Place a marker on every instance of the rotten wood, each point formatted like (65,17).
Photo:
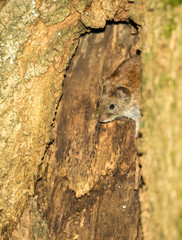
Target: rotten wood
(90,174)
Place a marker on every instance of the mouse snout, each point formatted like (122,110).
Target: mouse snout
(102,118)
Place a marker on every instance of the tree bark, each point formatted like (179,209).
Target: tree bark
(38,39)
(162,145)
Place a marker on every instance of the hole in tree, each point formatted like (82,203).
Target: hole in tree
(87,189)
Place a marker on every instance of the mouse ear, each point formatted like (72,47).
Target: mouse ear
(123,92)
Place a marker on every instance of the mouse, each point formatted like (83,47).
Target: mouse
(120,93)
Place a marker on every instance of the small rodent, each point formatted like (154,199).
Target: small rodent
(120,94)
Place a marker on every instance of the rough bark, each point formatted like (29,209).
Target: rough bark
(38,38)
(162,122)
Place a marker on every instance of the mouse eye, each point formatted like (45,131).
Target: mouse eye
(111,106)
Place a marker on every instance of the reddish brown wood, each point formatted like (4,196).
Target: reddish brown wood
(91,179)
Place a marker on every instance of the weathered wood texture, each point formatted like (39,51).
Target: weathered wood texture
(38,38)
(88,190)
(162,145)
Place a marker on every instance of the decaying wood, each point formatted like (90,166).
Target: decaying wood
(91,166)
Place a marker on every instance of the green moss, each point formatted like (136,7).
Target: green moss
(170,26)
(174,104)
(164,81)
(172,3)
(179,225)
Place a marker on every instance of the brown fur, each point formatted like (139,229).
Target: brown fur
(123,91)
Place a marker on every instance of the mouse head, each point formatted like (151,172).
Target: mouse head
(113,103)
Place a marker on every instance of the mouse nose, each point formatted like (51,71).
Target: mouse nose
(101,118)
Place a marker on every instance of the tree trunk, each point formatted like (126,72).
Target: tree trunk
(82,175)
(162,123)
